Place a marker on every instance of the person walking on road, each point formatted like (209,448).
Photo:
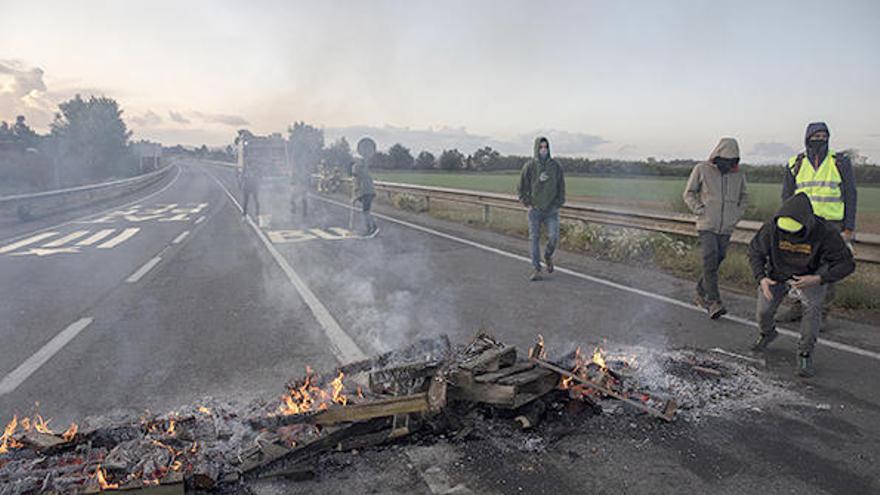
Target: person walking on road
(250,187)
(542,190)
(800,252)
(716,193)
(362,184)
(829,181)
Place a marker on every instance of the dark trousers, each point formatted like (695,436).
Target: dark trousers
(248,191)
(812,299)
(714,249)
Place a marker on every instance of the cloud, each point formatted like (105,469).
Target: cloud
(23,92)
(148,119)
(178,117)
(770,150)
(219,118)
(442,138)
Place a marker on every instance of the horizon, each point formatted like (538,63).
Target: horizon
(627,81)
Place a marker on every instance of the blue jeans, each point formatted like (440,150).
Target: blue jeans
(550,219)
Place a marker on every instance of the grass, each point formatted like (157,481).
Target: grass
(678,255)
(645,192)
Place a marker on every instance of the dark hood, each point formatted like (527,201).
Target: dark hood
(816,154)
(813,128)
(799,208)
(537,143)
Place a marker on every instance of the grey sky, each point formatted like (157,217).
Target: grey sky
(624,78)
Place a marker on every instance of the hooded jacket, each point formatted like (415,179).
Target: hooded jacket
(541,182)
(817,249)
(362,183)
(718,198)
(844,167)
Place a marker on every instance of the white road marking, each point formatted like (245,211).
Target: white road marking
(289,236)
(64,240)
(344,348)
(179,217)
(323,234)
(26,242)
(134,277)
(97,236)
(11,381)
(47,251)
(83,218)
(659,297)
(181,237)
(342,232)
(200,219)
(119,239)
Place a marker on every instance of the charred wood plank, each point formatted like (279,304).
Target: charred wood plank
(490,360)
(503,372)
(669,408)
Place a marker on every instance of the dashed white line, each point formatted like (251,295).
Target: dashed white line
(134,277)
(181,237)
(119,239)
(64,240)
(11,381)
(200,219)
(344,348)
(608,283)
(26,242)
(97,236)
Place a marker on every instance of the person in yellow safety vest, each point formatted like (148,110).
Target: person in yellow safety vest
(827,178)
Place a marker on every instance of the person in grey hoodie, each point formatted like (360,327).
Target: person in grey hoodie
(542,190)
(362,184)
(716,193)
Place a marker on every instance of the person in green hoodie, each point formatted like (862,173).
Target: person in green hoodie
(542,190)
(802,253)
(716,193)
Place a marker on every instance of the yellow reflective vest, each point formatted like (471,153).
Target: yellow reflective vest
(822,185)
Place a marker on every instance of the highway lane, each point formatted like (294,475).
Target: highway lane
(211,316)
(409,283)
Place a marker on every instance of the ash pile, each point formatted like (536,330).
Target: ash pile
(430,388)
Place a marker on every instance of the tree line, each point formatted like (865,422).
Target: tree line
(87,142)
(308,149)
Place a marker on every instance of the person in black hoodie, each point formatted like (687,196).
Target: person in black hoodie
(798,252)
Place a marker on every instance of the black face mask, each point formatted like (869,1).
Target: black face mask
(725,164)
(818,148)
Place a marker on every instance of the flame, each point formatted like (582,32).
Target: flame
(6,441)
(170,430)
(338,387)
(599,358)
(579,369)
(309,397)
(176,465)
(539,350)
(204,410)
(102,479)
(70,433)
(194,448)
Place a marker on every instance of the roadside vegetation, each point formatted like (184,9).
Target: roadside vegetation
(677,255)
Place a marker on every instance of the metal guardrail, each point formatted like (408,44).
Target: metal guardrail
(867,246)
(33,205)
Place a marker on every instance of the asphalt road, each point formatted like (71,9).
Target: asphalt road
(229,312)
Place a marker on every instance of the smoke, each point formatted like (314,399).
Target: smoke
(147,119)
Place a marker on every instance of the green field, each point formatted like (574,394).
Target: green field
(647,192)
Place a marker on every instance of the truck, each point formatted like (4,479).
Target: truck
(267,154)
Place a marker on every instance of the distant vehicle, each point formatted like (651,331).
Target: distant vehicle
(267,154)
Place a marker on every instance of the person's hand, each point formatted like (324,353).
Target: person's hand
(766,283)
(848,235)
(804,281)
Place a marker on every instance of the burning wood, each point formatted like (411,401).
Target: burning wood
(361,404)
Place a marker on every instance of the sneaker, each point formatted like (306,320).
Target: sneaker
(805,366)
(716,310)
(536,275)
(763,341)
(700,301)
(548,260)
(792,314)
